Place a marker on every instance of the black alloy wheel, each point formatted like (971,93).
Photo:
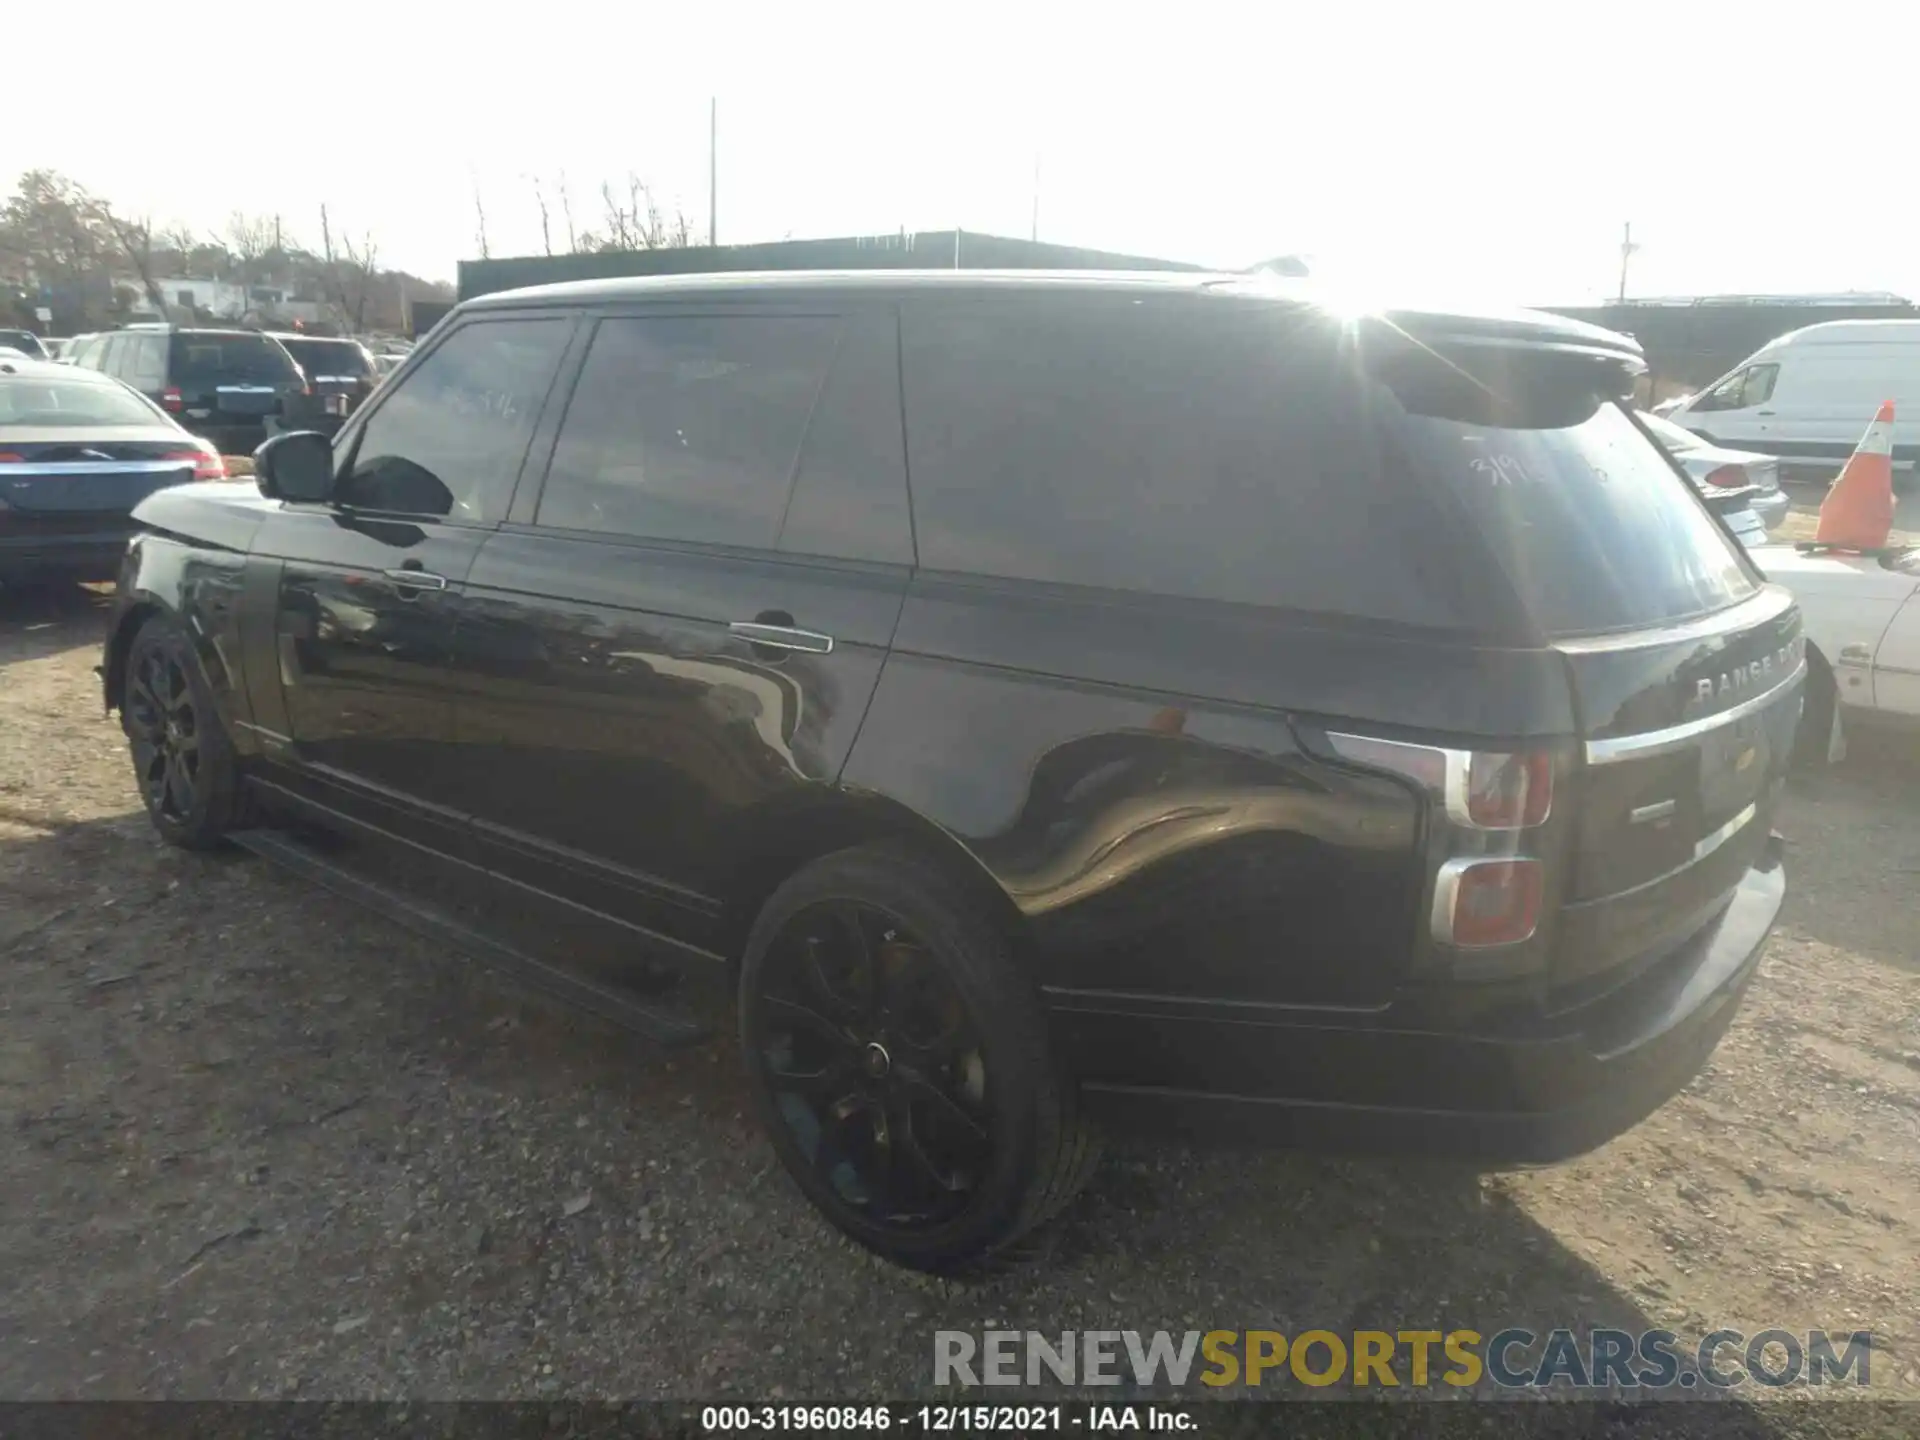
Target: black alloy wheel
(876,1068)
(183,762)
(163,724)
(901,1063)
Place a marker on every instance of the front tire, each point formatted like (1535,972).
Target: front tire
(900,1064)
(183,761)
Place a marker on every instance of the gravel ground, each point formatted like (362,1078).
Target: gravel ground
(265,1144)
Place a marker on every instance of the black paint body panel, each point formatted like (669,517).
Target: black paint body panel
(1212,904)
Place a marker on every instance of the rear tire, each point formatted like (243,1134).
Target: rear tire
(183,760)
(900,1063)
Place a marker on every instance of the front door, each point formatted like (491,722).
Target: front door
(683,638)
(370,585)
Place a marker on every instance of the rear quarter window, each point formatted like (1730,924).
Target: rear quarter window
(1193,448)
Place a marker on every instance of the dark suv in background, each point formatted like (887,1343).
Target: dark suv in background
(223,384)
(340,375)
(1036,697)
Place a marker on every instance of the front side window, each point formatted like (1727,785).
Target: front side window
(450,439)
(1748,386)
(688,427)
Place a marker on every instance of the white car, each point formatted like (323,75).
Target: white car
(1862,619)
(1714,468)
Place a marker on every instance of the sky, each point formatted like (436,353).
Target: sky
(1489,150)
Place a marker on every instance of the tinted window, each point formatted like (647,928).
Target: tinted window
(1586,518)
(1196,448)
(25,341)
(687,428)
(450,438)
(329,358)
(850,492)
(208,358)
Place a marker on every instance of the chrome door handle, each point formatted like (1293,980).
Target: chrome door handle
(416,579)
(782,637)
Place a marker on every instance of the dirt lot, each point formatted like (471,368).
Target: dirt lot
(264,1144)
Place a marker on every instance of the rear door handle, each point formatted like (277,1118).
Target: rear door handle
(782,637)
(416,579)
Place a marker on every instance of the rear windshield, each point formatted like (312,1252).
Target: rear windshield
(25,341)
(59,404)
(1589,521)
(329,357)
(229,360)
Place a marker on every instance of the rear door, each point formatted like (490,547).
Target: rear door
(368,588)
(683,631)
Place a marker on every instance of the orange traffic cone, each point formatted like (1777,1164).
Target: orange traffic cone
(1858,511)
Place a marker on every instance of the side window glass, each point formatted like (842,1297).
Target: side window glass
(145,366)
(449,441)
(688,427)
(1748,386)
(111,350)
(1161,451)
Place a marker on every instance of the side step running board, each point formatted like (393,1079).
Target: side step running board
(659,1026)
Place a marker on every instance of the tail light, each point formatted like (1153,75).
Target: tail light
(1505,792)
(170,399)
(207,464)
(1479,900)
(1727,477)
(1482,789)
(7,457)
(1482,902)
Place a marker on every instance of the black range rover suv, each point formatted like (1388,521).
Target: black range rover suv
(1038,698)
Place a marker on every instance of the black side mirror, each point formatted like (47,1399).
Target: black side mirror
(296,465)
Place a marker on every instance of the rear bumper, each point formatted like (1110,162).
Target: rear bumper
(1771,508)
(1535,1092)
(93,555)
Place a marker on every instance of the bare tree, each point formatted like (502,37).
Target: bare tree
(250,239)
(637,222)
(135,239)
(349,273)
(566,209)
(540,199)
(480,211)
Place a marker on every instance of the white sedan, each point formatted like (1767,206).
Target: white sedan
(1862,618)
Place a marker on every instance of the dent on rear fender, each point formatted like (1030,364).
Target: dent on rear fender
(1151,847)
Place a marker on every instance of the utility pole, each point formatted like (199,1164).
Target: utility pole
(713,171)
(1627,247)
